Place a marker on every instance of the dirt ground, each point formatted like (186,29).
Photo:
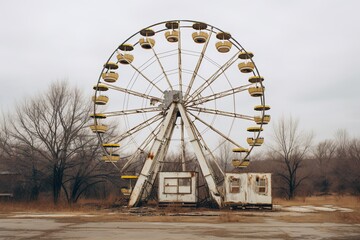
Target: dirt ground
(304,218)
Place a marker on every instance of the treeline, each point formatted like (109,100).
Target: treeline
(47,148)
(301,168)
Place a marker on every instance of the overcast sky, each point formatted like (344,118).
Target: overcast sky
(308,50)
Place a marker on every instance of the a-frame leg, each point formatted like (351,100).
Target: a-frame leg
(157,152)
(204,165)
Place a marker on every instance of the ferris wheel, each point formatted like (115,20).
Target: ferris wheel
(179,87)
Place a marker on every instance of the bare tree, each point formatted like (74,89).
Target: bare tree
(52,129)
(347,165)
(324,153)
(225,156)
(290,146)
(84,170)
(342,140)
(354,152)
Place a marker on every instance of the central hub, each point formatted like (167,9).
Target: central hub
(172,96)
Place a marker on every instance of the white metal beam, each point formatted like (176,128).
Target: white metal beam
(205,168)
(151,163)
(159,158)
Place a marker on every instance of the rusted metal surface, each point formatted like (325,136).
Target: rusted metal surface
(248,189)
(178,187)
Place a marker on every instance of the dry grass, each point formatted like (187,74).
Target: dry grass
(108,211)
(352,202)
(322,217)
(46,205)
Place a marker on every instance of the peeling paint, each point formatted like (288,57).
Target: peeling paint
(255,189)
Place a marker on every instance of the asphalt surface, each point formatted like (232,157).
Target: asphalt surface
(47,228)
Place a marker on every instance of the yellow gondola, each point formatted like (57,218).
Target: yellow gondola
(199,36)
(127,47)
(98,115)
(129,177)
(100,100)
(127,190)
(99,128)
(255,142)
(110,77)
(172,25)
(256,91)
(224,45)
(147,43)
(245,55)
(246,67)
(240,150)
(111,65)
(261,107)
(260,120)
(101,87)
(244,163)
(147,32)
(111,145)
(125,58)
(256,79)
(114,157)
(235,162)
(254,129)
(172,36)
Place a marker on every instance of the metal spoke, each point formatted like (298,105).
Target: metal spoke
(139,127)
(131,111)
(146,78)
(218,95)
(134,93)
(142,146)
(213,77)
(220,112)
(202,54)
(215,130)
(179,61)
(210,152)
(183,166)
(162,68)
